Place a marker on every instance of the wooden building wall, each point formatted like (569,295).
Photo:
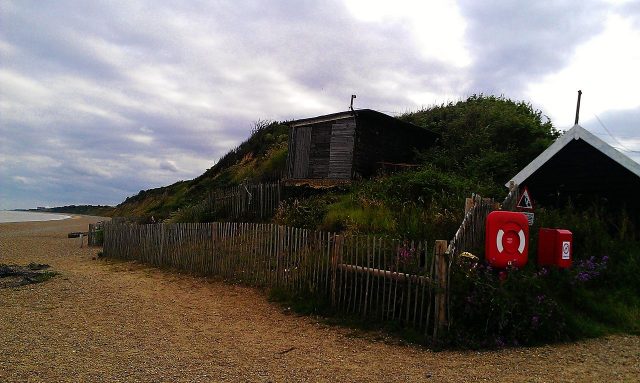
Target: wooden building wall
(341,150)
(322,150)
(319,151)
(348,147)
(582,175)
(386,140)
(302,147)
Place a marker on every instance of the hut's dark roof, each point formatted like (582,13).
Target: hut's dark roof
(368,114)
(323,118)
(578,162)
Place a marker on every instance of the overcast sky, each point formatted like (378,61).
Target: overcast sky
(100,99)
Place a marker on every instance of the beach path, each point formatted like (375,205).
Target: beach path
(111,321)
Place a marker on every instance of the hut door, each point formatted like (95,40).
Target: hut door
(341,151)
(303,146)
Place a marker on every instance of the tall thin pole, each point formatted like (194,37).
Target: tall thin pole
(578,107)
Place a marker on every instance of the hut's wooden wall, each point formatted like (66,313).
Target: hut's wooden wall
(319,155)
(380,140)
(302,139)
(341,150)
(343,147)
(321,150)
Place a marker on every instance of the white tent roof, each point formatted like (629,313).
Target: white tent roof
(575,133)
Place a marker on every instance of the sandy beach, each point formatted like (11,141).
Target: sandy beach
(109,321)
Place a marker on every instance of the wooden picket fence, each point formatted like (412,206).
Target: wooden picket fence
(471,232)
(374,277)
(511,200)
(95,235)
(470,236)
(245,201)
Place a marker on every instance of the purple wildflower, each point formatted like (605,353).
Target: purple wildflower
(405,254)
(590,268)
(583,276)
(535,321)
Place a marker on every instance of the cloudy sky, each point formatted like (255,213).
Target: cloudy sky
(100,99)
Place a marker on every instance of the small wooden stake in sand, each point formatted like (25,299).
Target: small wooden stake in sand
(81,240)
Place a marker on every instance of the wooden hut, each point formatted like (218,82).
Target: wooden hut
(581,168)
(351,145)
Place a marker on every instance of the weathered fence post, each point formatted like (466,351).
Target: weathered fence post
(336,256)
(442,265)
(91,235)
(468,205)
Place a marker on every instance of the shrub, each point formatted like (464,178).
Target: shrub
(596,296)
(305,213)
(494,308)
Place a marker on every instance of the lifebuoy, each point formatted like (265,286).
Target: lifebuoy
(500,237)
(507,238)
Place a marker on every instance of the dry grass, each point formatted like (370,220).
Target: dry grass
(101,320)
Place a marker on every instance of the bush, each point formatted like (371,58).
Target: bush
(418,204)
(497,308)
(306,213)
(485,138)
(598,295)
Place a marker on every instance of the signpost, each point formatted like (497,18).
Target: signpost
(525,205)
(524,202)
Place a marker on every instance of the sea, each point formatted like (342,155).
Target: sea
(29,216)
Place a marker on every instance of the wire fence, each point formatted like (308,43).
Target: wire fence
(245,202)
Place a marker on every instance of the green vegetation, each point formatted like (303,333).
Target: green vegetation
(598,295)
(15,275)
(491,308)
(320,307)
(42,277)
(305,304)
(96,210)
(485,140)
(603,293)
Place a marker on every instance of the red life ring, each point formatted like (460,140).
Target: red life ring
(507,239)
(509,235)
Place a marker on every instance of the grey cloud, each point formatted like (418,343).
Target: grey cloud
(515,42)
(622,124)
(134,95)
(168,165)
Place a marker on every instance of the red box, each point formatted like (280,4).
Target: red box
(555,247)
(507,239)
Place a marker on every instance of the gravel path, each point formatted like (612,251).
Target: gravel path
(109,321)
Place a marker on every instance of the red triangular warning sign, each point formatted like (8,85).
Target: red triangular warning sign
(525,202)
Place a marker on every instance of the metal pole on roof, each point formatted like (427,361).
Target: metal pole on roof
(578,107)
(351,106)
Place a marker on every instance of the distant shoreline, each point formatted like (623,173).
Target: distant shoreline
(17,216)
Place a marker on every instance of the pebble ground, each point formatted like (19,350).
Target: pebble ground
(109,321)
